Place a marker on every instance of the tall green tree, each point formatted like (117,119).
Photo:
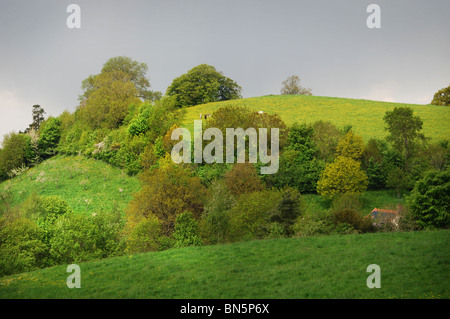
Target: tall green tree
(108,102)
(430,200)
(203,84)
(404,130)
(136,71)
(16,151)
(49,137)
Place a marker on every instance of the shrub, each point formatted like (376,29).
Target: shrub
(347,201)
(243,178)
(290,206)
(353,218)
(252,215)
(45,210)
(145,236)
(80,238)
(166,192)
(21,246)
(186,231)
(313,224)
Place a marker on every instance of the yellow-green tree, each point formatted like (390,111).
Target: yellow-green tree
(351,145)
(344,175)
(108,102)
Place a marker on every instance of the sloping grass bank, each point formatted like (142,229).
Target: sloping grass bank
(413,265)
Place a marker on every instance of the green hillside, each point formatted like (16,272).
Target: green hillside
(84,183)
(412,265)
(366,117)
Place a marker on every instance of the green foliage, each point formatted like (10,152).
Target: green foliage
(79,237)
(398,179)
(350,145)
(203,84)
(186,231)
(107,104)
(237,116)
(167,192)
(140,124)
(145,236)
(243,178)
(430,198)
(45,209)
(296,170)
(21,246)
(404,129)
(49,137)
(326,138)
(212,172)
(254,213)
(129,154)
(216,216)
(344,175)
(442,97)
(290,206)
(354,219)
(251,217)
(313,225)
(347,201)
(16,151)
(136,71)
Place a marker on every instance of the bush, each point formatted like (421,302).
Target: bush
(252,215)
(80,238)
(313,224)
(243,178)
(21,246)
(353,218)
(290,206)
(45,210)
(215,222)
(145,236)
(186,231)
(347,201)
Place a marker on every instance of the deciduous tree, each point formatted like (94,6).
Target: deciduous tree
(344,175)
(203,84)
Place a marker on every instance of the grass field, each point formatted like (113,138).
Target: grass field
(366,117)
(86,184)
(412,264)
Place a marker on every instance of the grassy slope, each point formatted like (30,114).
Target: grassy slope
(413,265)
(101,190)
(365,116)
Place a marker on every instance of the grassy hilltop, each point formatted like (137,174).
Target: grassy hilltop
(366,117)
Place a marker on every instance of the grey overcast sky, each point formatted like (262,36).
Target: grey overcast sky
(257,43)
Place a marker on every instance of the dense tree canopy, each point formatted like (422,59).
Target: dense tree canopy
(442,97)
(342,176)
(203,84)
